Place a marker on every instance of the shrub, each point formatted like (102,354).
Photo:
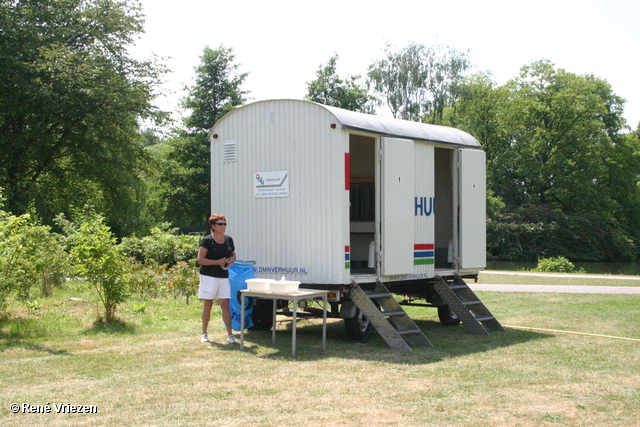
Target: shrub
(184,279)
(97,259)
(147,280)
(555,264)
(164,247)
(30,255)
(151,280)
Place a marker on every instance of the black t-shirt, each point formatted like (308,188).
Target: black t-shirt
(216,251)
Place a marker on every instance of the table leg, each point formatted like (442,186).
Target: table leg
(242,321)
(324,322)
(273,327)
(293,332)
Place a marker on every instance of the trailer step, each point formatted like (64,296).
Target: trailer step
(378,295)
(462,301)
(394,313)
(408,331)
(388,318)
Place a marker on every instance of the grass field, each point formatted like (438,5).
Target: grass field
(151,369)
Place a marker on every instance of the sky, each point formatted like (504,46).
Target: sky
(282,43)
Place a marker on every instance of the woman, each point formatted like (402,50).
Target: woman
(215,255)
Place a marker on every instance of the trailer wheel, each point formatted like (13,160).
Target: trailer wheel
(358,327)
(446,316)
(262,315)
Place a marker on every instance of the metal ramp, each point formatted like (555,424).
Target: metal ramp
(467,306)
(388,317)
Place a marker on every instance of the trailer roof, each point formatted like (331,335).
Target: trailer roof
(387,126)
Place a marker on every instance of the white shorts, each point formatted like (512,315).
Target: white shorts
(214,288)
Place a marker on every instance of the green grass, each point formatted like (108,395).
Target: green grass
(151,369)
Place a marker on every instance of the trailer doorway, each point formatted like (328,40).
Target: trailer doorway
(444,211)
(362,204)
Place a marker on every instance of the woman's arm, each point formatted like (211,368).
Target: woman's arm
(203,260)
(232,258)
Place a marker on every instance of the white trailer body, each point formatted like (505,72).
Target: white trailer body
(327,196)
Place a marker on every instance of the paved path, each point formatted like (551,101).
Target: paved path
(560,288)
(567,275)
(553,288)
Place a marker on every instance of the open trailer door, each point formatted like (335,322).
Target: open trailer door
(473,212)
(397,206)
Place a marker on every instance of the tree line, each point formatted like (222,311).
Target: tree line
(563,167)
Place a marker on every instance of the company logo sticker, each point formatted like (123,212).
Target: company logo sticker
(423,254)
(271,184)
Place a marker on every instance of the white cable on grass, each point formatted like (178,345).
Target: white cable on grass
(571,332)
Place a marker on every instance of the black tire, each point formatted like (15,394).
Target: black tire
(446,316)
(262,315)
(358,328)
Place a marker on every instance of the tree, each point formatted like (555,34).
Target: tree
(181,190)
(623,182)
(560,162)
(418,82)
(183,187)
(562,129)
(216,91)
(329,89)
(70,101)
(478,111)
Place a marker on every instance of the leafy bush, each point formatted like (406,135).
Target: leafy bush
(151,280)
(30,254)
(147,280)
(555,264)
(184,279)
(163,263)
(164,247)
(97,259)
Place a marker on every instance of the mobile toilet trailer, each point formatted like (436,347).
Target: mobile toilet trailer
(357,204)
